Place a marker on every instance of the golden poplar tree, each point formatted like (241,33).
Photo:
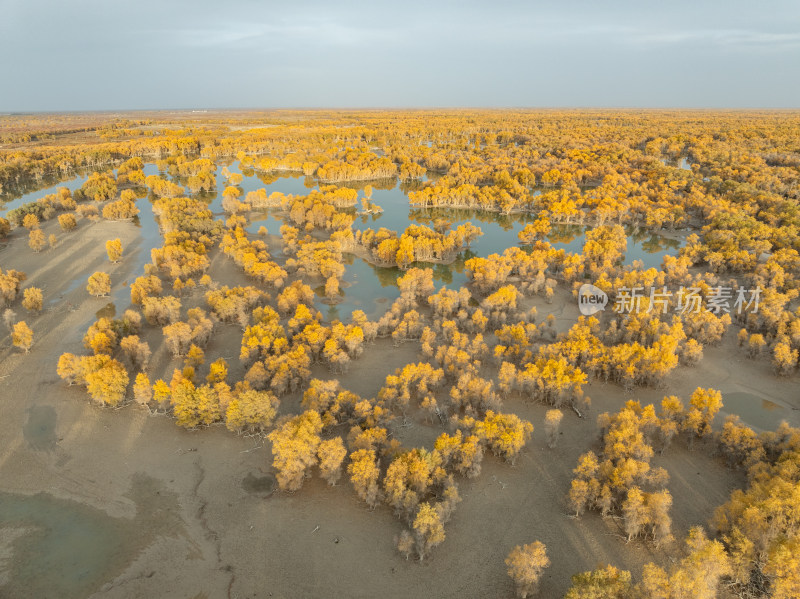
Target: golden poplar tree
(331,454)
(99,284)
(32,299)
(364,472)
(428,529)
(526,564)
(114,249)
(22,336)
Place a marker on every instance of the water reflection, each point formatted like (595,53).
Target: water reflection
(31,193)
(365,286)
(32,196)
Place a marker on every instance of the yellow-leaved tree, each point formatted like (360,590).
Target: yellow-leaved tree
(106,379)
(193,406)
(252,411)
(114,249)
(331,454)
(67,222)
(36,240)
(32,299)
(142,391)
(608,582)
(364,472)
(428,529)
(552,422)
(22,336)
(526,564)
(99,284)
(705,405)
(294,448)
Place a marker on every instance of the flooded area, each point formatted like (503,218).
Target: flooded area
(759,411)
(60,549)
(365,286)
(66,549)
(126,500)
(31,196)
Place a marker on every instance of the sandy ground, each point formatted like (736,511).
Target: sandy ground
(192,513)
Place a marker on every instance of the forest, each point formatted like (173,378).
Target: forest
(244,318)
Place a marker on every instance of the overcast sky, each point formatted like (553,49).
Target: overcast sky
(107,54)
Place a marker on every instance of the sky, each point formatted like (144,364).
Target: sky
(148,54)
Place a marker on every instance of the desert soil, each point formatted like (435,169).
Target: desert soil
(119,503)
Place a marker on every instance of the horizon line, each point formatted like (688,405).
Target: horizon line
(201,110)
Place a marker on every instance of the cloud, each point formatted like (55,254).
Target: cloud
(228,35)
(101,54)
(731,38)
(254,35)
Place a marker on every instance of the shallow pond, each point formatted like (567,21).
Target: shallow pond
(31,196)
(370,288)
(365,286)
(758,411)
(58,548)
(65,549)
